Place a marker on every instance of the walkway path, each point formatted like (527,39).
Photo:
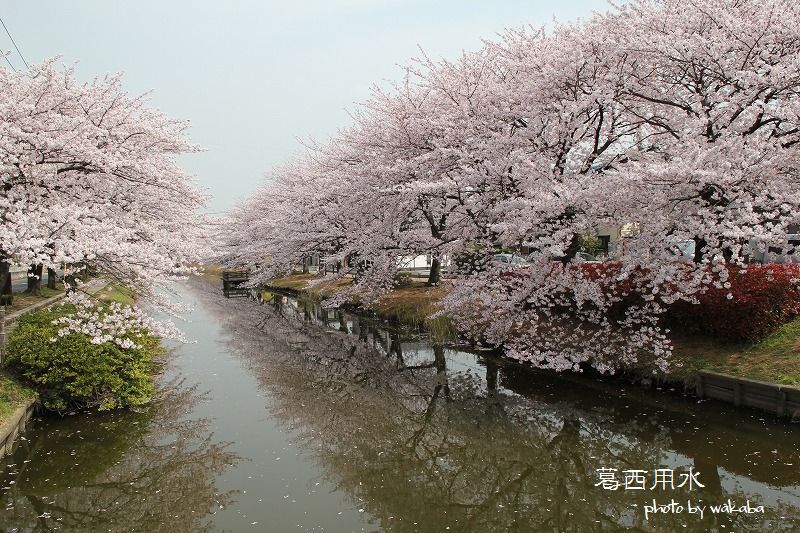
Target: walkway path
(92,287)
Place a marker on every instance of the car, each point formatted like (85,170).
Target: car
(586,257)
(681,250)
(580,257)
(509,259)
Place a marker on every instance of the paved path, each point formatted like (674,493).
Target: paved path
(92,287)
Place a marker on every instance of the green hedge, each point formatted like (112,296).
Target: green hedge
(73,373)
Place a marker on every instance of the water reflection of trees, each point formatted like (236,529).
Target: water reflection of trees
(422,445)
(149,471)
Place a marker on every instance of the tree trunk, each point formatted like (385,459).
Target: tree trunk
(492,371)
(305,264)
(699,243)
(436,272)
(51,278)
(572,250)
(396,348)
(6,293)
(727,253)
(34,280)
(69,284)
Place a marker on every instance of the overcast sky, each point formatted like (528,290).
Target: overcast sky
(254,77)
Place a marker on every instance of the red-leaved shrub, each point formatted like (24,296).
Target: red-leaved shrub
(760,299)
(763,297)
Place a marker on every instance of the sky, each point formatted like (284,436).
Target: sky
(257,78)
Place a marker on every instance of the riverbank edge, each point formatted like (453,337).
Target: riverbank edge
(780,400)
(15,425)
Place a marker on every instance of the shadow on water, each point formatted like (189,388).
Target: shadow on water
(127,471)
(426,437)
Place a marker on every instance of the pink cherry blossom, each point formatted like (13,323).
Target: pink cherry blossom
(676,120)
(89,179)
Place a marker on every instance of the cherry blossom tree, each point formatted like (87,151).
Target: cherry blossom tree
(89,180)
(676,120)
(387,188)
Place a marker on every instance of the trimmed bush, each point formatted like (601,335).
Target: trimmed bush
(760,299)
(73,373)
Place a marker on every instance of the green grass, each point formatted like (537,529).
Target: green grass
(116,292)
(775,359)
(12,395)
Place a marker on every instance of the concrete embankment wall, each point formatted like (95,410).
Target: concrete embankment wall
(18,272)
(782,400)
(14,426)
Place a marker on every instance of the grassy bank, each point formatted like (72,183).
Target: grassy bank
(23,300)
(13,395)
(774,359)
(211,272)
(413,305)
(116,292)
(300,283)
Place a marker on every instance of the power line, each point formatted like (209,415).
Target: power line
(9,63)
(14,43)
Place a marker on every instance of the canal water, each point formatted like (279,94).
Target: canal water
(282,416)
